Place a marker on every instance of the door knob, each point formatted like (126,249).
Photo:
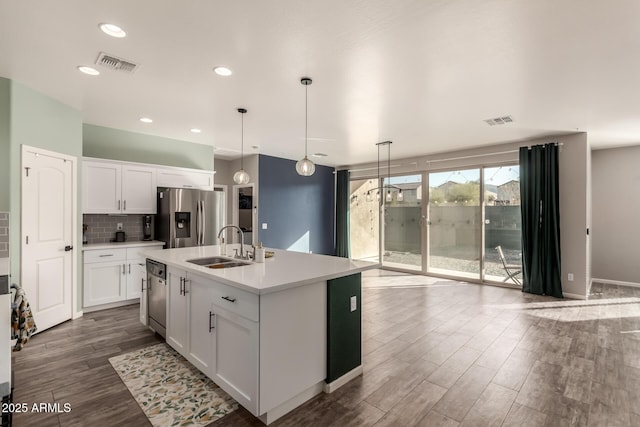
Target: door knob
(68,248)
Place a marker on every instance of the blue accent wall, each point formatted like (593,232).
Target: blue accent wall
(299,210)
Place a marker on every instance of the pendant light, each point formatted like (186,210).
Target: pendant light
(388,195)
(305,167)
(241,177)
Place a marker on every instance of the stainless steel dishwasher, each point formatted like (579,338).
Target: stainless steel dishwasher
(157,296)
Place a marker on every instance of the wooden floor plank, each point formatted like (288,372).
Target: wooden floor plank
(435,353)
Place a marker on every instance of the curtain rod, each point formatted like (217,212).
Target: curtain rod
(471,156)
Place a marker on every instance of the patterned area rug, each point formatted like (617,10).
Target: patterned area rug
(171,391)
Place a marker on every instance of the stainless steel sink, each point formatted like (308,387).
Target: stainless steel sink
(210,260)
(218,262)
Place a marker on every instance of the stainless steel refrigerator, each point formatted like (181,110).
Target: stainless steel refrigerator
(189,217)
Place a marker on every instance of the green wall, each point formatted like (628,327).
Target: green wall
(108,143)
(5,143)
(43,122)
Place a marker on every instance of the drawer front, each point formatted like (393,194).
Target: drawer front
(236,300)
(138,253)
(105,255)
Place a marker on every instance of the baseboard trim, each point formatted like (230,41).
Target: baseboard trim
(288,406)
(339,382)
(574,296)
(110,305)
(617,282)
(77,315)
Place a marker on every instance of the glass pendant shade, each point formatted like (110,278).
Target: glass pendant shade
(241,177)
(400,196)
(305,167)
(388,198)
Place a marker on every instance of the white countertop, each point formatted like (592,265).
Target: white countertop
(283,271)
(112,245)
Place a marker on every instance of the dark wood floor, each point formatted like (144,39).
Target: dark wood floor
(436,353)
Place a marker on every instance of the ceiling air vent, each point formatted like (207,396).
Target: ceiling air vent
(499,120)
(115,63)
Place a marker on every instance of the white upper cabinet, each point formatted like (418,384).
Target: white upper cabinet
(185,178)
(115,187)
(138,189)
(110,187)
(101,187)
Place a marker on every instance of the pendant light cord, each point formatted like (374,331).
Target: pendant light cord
(242,141)
(306,117)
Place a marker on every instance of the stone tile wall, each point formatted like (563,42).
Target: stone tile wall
(4,235)
(102,228)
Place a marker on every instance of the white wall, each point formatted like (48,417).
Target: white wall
(616,214)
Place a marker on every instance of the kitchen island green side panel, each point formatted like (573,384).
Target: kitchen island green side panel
(344,328)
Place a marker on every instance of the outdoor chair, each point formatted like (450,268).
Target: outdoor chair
(511,270)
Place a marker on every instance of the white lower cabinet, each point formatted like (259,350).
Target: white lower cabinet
(177,313)
(114,275)
(103,282)
(200,328)
(235,357)
(204,325)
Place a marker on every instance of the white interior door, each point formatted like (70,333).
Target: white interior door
(48,234)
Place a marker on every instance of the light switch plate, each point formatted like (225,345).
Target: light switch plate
(354,303)
(264,225)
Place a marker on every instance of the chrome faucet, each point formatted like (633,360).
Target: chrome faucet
(242,256)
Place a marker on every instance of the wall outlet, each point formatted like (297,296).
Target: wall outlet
(570,277)
(119,226)
(354,303)
(264,225)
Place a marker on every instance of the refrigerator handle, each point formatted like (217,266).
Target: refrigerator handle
(198,223)
(199,231)
(203,228)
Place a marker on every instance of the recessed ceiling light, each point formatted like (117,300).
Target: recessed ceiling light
(113,30)
(196,130)
(88,70)
(222,71)
(319,155)
(146,120)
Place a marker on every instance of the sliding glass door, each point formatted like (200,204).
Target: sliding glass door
(402,236)
(364,220)
(502,223)
(454,229)
(454,221)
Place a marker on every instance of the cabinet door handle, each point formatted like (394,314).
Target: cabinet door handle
(102,256)
(230,299)
(141,285)
(187,186)
(124,269)
(118,204)
(185,291)
(124,208)
(211,323)
(181,284)
(129,268)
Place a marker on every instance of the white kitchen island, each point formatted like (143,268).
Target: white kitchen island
(270,334)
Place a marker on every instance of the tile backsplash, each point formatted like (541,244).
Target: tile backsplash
(102,228)
(4,234)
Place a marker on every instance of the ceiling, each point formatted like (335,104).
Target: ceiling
(422,73)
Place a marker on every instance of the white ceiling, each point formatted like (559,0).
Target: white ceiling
(422,73)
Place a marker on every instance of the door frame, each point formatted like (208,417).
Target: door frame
(235,215)
(75,312)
